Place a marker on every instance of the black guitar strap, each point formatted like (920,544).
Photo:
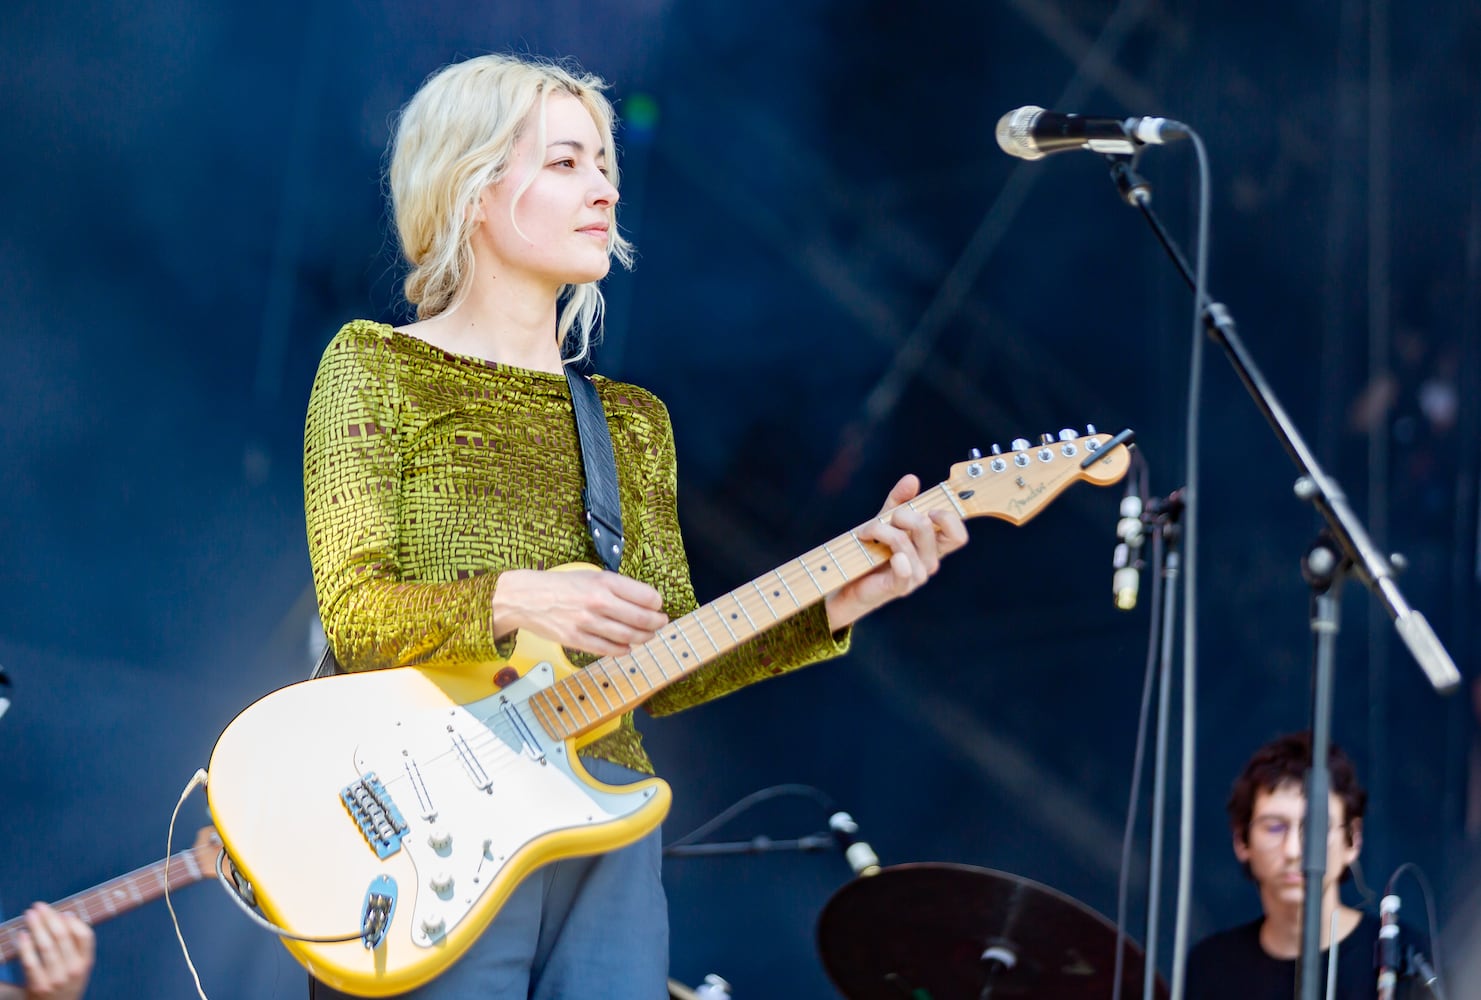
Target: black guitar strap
(603,503)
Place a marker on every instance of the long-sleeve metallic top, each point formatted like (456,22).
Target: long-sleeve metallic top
(427,474)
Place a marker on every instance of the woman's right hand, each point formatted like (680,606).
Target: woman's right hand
(592,610)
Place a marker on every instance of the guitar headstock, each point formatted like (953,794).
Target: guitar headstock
(1015,485)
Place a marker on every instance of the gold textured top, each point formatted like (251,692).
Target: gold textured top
(427,473)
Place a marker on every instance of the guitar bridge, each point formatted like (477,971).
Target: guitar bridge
(371,808)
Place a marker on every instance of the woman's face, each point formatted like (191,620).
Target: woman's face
(558,233)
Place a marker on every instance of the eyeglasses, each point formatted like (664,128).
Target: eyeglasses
(1271,830)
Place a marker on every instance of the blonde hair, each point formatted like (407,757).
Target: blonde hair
(455,137)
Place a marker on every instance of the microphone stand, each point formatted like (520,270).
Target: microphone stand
(1164,516)
(1344,546)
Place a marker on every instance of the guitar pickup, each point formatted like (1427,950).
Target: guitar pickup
(371,808)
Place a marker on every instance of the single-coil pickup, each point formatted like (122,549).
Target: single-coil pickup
(371,808)
(471,763)
(532,747)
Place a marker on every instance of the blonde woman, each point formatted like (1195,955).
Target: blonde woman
(443,483)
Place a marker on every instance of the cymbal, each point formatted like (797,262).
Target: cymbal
(958,932)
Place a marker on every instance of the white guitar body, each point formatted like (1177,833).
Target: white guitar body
(476,796)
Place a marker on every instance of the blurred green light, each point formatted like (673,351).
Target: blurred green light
(640,112)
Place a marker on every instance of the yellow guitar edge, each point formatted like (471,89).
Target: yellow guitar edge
(553,847)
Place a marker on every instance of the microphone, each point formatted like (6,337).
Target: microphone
(1031,133)
(1126,581)
(1421,969)
(861,857)
(1386,951)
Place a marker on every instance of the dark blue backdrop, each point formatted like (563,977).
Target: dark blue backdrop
(841,279)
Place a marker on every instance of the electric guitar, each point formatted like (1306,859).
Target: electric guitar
(122,894)
(389,814)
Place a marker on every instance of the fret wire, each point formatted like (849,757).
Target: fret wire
(788,589)
(708,638)
(587,686)
(638,695)
(602,683)
(679,628)
(843,573)
(591,684)
(573,690)
(553,703)
(643,682)
(545,713)
(764,601)
(677,658)
(654,657)
(859,542)
(725,621)
(815,583)
(735,596)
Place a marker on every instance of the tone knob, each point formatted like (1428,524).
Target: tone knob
(433,925)
(439,839)
(442,883)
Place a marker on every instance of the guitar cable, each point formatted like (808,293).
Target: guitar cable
(197,780)
(234,891)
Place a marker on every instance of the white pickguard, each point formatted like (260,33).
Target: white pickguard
(476,783)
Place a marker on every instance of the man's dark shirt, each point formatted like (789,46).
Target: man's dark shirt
(1231,965)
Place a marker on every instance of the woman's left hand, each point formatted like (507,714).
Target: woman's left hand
(916,540)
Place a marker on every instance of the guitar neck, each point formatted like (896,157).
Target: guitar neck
(113,897)
(614,685)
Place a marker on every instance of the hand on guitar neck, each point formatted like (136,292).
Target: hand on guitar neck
(54,944)
(56,955)
(916,539)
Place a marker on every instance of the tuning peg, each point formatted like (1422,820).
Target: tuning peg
(974,453)
(1019,444)
(997,449)
(1067,434)
(1046,438)
(1090,430)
